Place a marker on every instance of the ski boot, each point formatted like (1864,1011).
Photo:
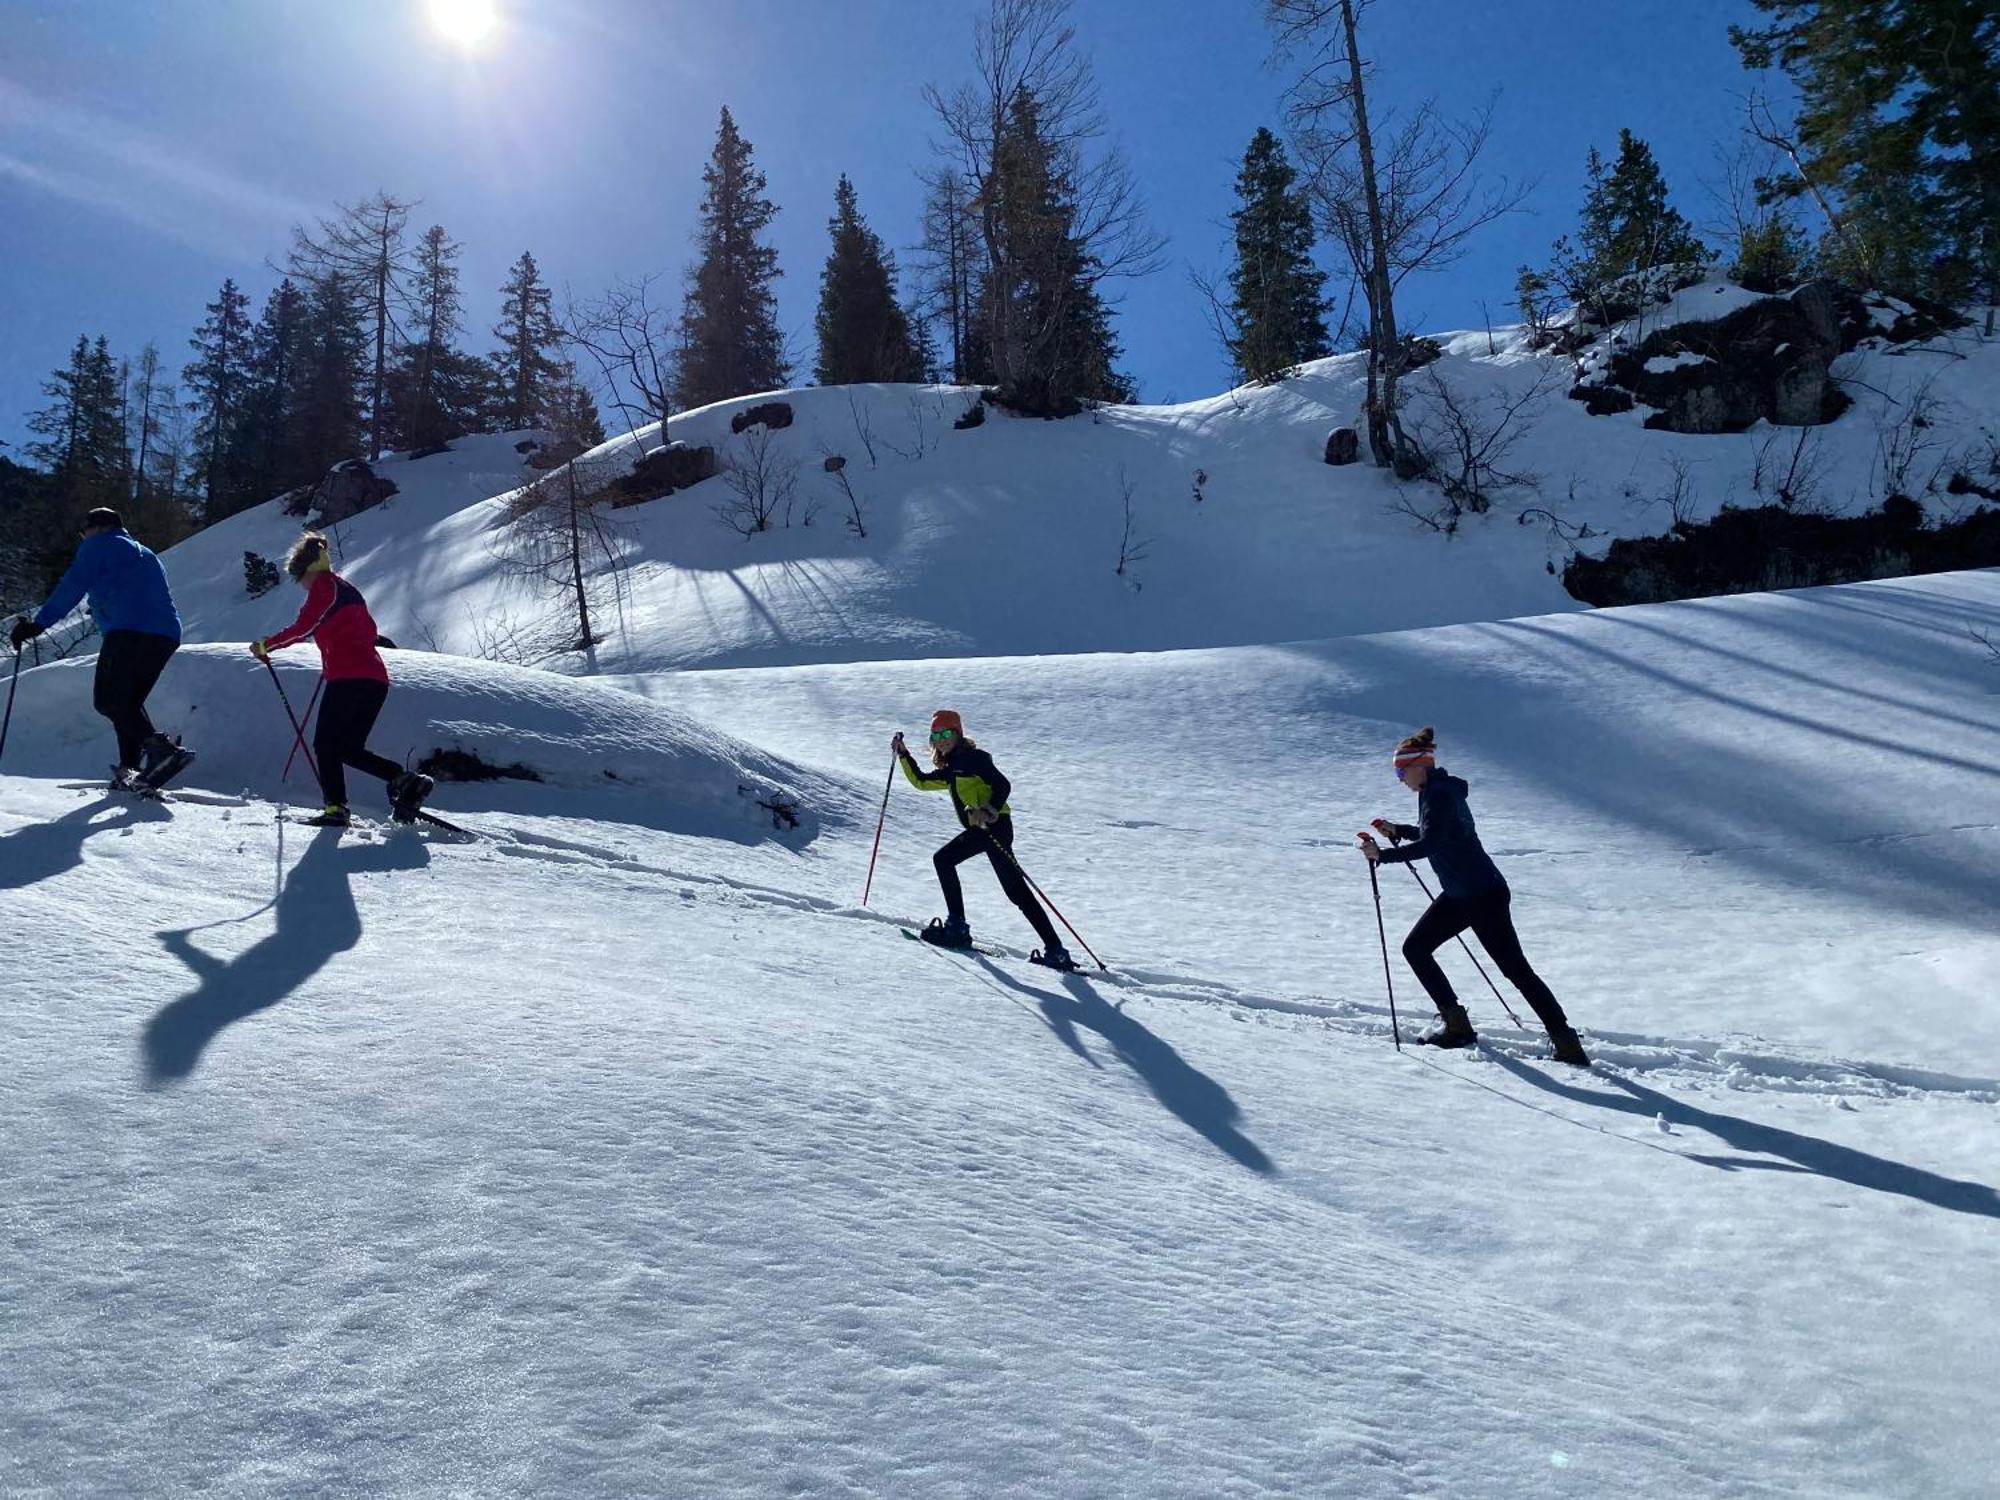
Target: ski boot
(947,932)
(127,779)
(1569,1048)
(162,760)
(406,795)
(1056,957)
(334,816)
(1456,1032)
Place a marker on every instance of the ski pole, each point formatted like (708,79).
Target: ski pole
(1045,899)
(884,818)
(12,683)
(1375,885)
(1424,886)
(298,734)
(311,704)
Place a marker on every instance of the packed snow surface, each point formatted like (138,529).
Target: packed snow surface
(621,1152)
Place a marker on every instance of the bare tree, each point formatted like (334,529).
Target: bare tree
(557,533)
(1467,437)
(632,340)
(364,247)
(1027,48)
(763,484)
(1133,548)
(1398,197)
(948,262)
(1900,444)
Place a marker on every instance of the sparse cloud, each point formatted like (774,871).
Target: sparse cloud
(119,168)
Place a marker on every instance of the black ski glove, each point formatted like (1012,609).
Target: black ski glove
(25,630)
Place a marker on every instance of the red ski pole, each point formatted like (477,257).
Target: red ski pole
(298,734)
(1044,895)
(299,743)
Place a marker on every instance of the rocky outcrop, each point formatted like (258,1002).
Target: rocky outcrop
(661,472)
(1343,446)
(348,489)
(772,414)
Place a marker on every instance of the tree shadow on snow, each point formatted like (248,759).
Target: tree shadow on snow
(316,920)
(1805,1153)
(41,851)
(1186,1092)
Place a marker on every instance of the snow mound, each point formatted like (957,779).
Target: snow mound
(594,750)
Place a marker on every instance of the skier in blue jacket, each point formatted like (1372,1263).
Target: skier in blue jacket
(1471,893)
(141,629)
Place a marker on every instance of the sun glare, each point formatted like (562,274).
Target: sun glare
(465,23)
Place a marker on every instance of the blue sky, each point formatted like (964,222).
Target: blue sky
(147,150)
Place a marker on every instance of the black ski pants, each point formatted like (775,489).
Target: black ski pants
(129,664)
(347,711)
(996,842)
(1490,916)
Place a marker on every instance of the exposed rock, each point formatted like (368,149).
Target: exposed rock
(661,472)
(834,463)
(771,414)
(1602,400)
(546,456)
(1343,446)
(349,488)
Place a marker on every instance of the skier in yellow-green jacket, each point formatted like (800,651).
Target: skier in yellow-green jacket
(979,796)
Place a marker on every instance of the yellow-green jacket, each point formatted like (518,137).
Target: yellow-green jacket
(969,775)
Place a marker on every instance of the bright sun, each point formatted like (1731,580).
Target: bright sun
(465,23)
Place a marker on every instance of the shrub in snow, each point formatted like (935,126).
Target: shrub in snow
(260,575)
(975,414)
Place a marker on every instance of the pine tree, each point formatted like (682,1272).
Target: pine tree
(219,382)
(82,445)
(418,417)
(1040,294)
(328,419)
(1630,237)
(730,341)
(270,461)
(364,246)
(525,361)
(1277,294)
(1898,132)
(864,334)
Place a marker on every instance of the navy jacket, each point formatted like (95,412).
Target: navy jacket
(1445,836)
(126,584)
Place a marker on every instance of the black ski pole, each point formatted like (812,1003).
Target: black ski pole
(1424,886)
(869,885)
(1045,899)
(12,683)
(297,733)
(1395,1026)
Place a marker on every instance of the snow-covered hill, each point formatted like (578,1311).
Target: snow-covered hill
(1005,539)
(623,1154)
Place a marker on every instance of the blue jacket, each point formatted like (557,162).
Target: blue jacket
(126,584)
(1445,836)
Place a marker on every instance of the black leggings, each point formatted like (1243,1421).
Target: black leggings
(129,663)
(1491,919)
(347,711)
(997,844)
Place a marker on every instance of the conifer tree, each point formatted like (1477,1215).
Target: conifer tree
(328,419)
(864,334)
(1898,133)
(730,341)
(525,362)
(218,381)
(1629,234)
(419,419)
(364,246)
(1277,294)
(271,461)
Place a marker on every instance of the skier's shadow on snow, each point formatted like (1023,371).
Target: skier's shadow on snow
(316,921)
(1805,1153)
(42,851)
(1186,1092)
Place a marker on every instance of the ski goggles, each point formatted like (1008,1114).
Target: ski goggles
(940,736)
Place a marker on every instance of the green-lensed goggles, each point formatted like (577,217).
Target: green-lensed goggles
(939,736)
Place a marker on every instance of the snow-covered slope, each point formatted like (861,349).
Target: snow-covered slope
(609,1157)
(1005,539)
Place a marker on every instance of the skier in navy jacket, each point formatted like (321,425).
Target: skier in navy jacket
(1471,893)
(141,629)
